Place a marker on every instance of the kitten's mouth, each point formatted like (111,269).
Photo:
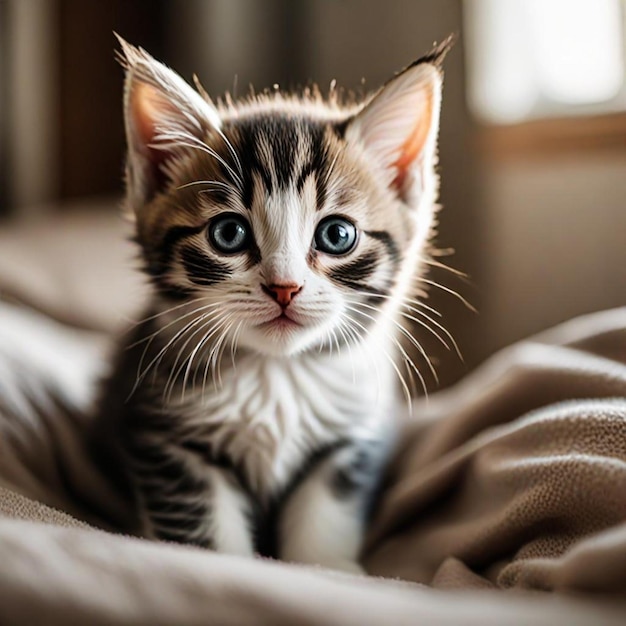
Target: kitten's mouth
(282,321)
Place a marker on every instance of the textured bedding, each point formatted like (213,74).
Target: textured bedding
(510,484)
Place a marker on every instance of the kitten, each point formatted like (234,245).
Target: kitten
(254,404)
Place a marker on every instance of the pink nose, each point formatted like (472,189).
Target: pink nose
(283,294)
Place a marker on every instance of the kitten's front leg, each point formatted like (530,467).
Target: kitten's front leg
(190,501)
(323,520)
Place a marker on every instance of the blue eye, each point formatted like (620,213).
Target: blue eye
(335,235)
(229,233)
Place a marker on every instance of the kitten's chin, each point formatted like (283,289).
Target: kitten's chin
(280,338)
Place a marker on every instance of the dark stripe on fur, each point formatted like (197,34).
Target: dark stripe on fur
(340,127)
(386,239)
(170,291)
(360,475)
(248,131)
(356,273)
(157,262)
(321,190)
(280,134)
(357,286)
(355,475)
(344,197)
(320,183)
(307,170)
(267,539)
(254,255)
(175,501)
(201,269)
(219,195)
(317,165)
(284,146)
(173,236)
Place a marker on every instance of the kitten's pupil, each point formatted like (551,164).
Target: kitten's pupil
(335,235)
(231,231)
(229,234)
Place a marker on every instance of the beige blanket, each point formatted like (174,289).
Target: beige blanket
(514,480)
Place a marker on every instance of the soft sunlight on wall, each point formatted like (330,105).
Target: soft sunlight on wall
(544,58)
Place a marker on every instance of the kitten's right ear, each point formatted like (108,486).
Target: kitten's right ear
(162,113)
(398,126)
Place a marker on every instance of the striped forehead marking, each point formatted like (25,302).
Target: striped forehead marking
(278,152)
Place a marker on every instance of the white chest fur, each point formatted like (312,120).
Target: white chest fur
(270,414)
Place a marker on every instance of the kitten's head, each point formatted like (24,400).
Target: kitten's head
(289,222)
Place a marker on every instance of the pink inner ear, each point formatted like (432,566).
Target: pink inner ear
(147,107)
(414,145)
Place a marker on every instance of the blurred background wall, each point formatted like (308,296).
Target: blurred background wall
(533,135)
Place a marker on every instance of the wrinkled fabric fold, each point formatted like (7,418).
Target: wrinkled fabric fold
(510,483)
(514,469)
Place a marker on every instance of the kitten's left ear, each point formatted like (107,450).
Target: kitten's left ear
(398,127)
(162,115)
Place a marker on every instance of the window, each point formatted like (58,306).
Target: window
(531,59)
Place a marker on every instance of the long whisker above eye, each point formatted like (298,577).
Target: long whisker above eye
(330,169)
(229,145)
(179,139)
(214,183)
(231,149)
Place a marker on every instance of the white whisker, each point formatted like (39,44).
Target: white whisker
(406,333)
(233,345)
(157,359)
(392,363)
(231,149)
(412,305)
(135,323)
(447,290)
(346,341)
(150,338)
(219,353)
(443,266)
(422,324)
(179,139)
(215,183)
(174,372)
(209,357)
(439,326)
(170,324)
(190,359)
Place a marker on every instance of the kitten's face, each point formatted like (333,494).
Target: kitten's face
(285,225)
